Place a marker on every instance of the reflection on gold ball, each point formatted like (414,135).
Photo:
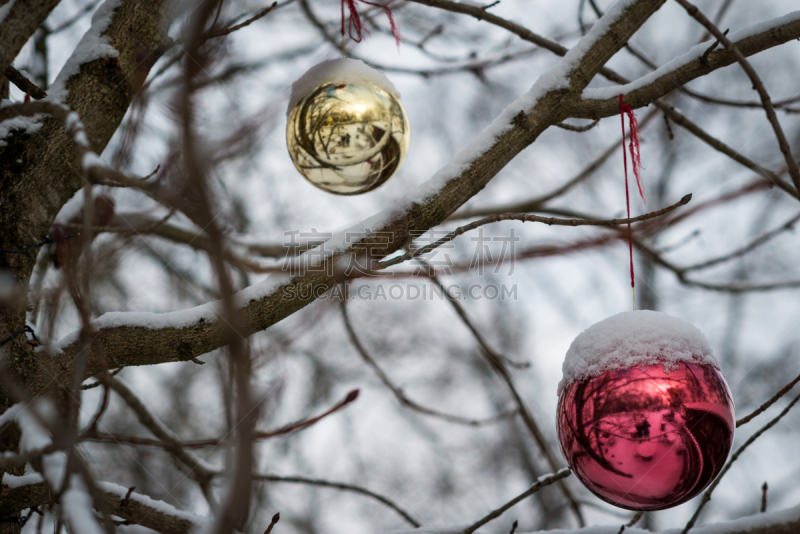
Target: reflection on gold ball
(348,137)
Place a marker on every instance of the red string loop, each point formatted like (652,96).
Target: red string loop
(636,160)
(355,29)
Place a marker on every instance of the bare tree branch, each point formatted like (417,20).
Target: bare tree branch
(752,245)
(197,470)
(542,482)
(497,365)
(136,509)
(734,457)
(578,129)
(341,486)
(533,204)
(18,26)
(24,84)
(533,218)
(761,409)
(786,150)
(604,102)
(172,444)
(398,393)
(681,120)
(136,344)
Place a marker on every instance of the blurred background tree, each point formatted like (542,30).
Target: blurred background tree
(193,198)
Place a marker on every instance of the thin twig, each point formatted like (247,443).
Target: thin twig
(555,221)
(93,385)
(169,443)
(24,84)
(11,461)
(655,255)
(755,243)
(681,120)
(92,427)
(758,411)
(496,364)
(22,330)
(734,457)
(197,470)
(75,18)
(717,18)
(219,11)
(784,104)
(273,522)
(496,356)
(579,129)
(711,48)
(533,204)
(755,186)
(679,272)
(307,422)
(678,244)
(481,14)
(47,241)
(542,482)
(342,486)
(398,393)
(231,29)
(635,519)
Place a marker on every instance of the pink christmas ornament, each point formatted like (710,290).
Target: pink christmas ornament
(645,419)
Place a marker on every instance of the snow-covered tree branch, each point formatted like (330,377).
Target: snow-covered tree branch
(151,222)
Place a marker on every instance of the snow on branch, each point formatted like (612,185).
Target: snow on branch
(147,512)
(93,167)
(18,493)
(98,83)
(32,420)
(780,522)
(758,85)
(142,339)
(93,45)
(78,506)
(698,61)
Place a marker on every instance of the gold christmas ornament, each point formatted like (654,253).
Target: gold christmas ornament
(347,132)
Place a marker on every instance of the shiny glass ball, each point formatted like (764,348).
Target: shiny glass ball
(346,137)
(644,438)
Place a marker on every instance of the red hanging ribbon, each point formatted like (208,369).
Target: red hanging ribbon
(636,159)
(354,27)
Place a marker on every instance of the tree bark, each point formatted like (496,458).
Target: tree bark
(40,171)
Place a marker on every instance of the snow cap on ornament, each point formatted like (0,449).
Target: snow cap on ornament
(635,338)
(645,419)
(347,132)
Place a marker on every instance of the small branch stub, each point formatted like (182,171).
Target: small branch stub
(127,499)
(275,519)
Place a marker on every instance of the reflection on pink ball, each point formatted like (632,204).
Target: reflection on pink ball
(646,439)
